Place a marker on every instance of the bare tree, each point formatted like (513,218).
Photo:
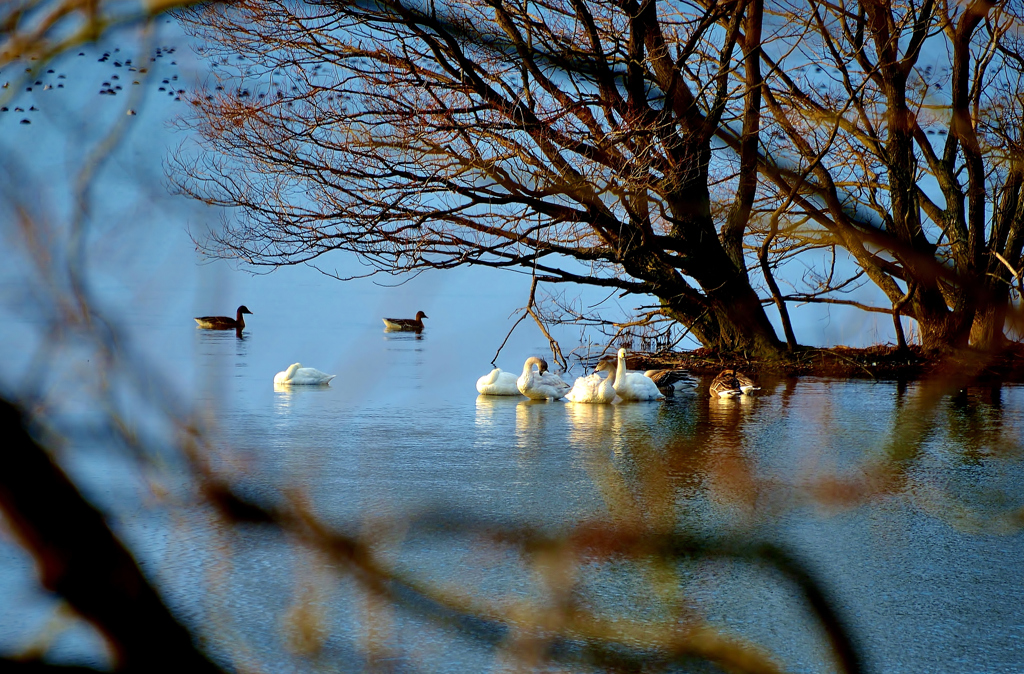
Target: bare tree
(904,125)
(578,140)
(571,139)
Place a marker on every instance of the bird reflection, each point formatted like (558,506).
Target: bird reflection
(400,336)
(532,421)
(726,415)
(632,423)
(287,391)
(589,424)
(283,398)
(215,338)
(489,409)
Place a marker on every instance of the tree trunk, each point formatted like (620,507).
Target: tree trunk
(987,330)
(728,325)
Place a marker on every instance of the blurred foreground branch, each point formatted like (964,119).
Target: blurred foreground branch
(79,558)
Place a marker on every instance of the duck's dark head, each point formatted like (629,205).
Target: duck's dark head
(420,316)
(244,310)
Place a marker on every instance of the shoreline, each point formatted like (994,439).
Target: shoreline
(873,362)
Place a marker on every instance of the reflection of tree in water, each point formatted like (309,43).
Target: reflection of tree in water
(969,470)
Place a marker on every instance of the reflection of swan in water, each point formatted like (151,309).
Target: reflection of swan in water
(634,385)
(491,410)
(542,385)
(532,420)
(296,375)
(590,426)
(633,423)
(593,388)
(498,383)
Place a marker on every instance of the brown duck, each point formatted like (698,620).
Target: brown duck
(224,322)
(405,324)
(730,383)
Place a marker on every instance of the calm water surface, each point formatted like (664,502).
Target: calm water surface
(925,568)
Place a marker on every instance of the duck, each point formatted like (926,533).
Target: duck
(498,383)
(543,385)
(671,382)
(296,375)
(634,385)
(593,388)
(726,385)
(746,384)
(224,322)
(405,324)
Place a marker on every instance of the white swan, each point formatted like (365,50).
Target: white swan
(296,375)
(634,385)
(593,388)
(542,385)
(498,383)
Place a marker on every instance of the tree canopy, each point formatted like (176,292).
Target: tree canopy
(683,150)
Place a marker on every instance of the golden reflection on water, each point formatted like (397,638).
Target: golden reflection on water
(590,424)
(533,421)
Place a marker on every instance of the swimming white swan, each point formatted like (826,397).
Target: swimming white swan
(498,383)
(542,385)
(593,388)
(634,385)
(296,375)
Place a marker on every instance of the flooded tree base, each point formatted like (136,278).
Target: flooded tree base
(874,362)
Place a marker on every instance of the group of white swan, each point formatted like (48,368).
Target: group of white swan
(620,384)
(537,383)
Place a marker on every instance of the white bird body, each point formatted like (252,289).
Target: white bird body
(498,383)
(296,375)
(634,385)
(593,388)
(540,385)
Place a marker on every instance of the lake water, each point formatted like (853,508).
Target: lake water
(905,504)
(923,562)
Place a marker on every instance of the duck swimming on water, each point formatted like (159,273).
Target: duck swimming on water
(730,383)
(224,322)
(405,324)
